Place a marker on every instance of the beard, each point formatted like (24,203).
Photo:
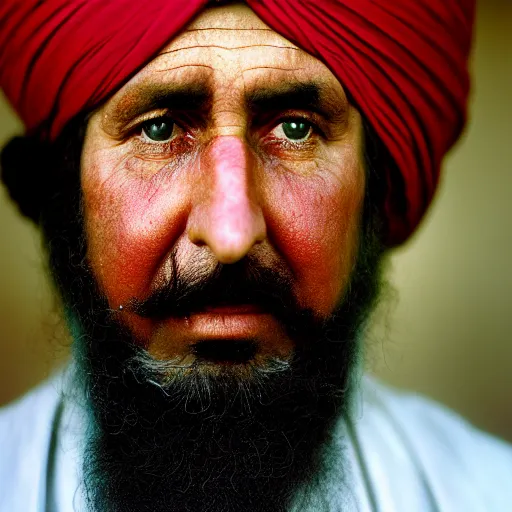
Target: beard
(249,434)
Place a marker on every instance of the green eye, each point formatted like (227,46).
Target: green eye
(158,130)
(296,130)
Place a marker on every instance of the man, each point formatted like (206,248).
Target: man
(217,187)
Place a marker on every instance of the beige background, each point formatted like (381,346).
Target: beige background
(446,330)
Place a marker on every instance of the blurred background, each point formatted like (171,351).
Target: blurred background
(445,326)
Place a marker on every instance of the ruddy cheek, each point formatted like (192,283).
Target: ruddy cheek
(131,226)
(316,229)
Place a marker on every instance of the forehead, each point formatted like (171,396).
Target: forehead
(234,16)
(229,50)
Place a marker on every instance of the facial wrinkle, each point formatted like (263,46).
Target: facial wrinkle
(231,35)
(227,29)
(168,52)
(185,66)
(256,68)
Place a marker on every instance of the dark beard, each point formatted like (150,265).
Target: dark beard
(164,438)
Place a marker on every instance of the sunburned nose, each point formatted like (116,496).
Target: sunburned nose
(227,217)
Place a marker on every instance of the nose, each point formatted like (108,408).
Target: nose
(227,216)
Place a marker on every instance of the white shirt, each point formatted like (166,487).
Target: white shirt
(405,454)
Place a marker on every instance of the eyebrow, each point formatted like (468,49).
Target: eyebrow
(302,95)
(198,97)
(189,97)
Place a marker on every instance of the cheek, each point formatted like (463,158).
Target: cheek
(131,222)
(315,224)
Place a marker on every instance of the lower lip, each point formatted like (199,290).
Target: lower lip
(224,323)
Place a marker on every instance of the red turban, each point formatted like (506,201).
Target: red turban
(403,63)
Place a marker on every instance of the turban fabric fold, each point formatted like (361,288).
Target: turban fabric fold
(403,63)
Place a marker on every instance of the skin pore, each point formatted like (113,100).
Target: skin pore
(232,144)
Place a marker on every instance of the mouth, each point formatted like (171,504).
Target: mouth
(230,350)
(222,333)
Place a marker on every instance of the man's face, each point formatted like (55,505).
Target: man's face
(231,144)
(217,264)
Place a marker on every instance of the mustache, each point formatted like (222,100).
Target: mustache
(197,286)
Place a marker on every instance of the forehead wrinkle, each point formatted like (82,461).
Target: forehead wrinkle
(262,54)
(276,68)
(174,68)
(226,36)
(242,47)
(226,28)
